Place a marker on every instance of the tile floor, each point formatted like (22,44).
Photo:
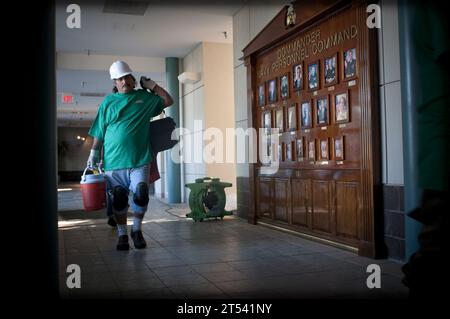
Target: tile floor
(216,259)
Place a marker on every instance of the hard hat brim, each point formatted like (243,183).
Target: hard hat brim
(121,75)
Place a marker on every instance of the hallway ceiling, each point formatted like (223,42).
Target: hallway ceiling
(130,28)
(163,31)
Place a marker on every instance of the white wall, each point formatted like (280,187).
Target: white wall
(219,111)
(208,103)
(192,106)
(390,95)
(77,61)
(247,23)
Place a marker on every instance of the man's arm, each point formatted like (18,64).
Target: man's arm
(168,101)
(94,155)
(152,86)
(97,144)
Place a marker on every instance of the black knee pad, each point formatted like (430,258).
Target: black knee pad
(140,198)
(120,198)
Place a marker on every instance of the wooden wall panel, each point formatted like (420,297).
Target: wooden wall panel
(331,191)
(321,211)
(347,208)
(301,194)
(264,202)
(282,197)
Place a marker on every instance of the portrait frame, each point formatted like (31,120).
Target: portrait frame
(299,148)
(265,144)
(314,81)
(266,120)
(306,114)
(324,149)
(350,71)
(279,119)
(262,94)
(289,151)
(280,152)
(341,109)
(312,150)
(327,79)
(322,116)
(275,152)
(284,86)
(297,85)
(292,117)
(339,148)
(272,92)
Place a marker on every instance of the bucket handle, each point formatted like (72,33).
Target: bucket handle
(83,177)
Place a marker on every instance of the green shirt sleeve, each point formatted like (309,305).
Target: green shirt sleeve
(98,127)
(158,105)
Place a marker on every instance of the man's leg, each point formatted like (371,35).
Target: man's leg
(139,203)
(109,209)
(118,181)
(120,208)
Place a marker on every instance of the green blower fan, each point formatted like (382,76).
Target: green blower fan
(207,199)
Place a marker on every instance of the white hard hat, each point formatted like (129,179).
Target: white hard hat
(119,69)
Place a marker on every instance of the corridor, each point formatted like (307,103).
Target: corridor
(219,259)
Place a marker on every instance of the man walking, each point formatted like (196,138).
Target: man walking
(122,128)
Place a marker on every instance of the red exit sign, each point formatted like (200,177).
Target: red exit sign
(67,99)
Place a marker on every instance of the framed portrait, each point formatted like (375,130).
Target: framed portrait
(280,152)
(268,148)
(324,155)
(299,149)
(350,64)
(261,95)
(297,77)
(284,87)
(339,148)
(313,76)
(330,70)
(289,153)
(322,111)
(279,119)
(306,115)
(341,108)
(266,120)
(274,152)
(312,150)
(272,91)
(292,118)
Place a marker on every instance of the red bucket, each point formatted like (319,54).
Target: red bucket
(93,190)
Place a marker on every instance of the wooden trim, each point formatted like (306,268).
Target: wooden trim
(251,101)
(309,236)
(275,29)
(370,146)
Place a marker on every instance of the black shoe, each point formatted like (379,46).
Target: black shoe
(122,244)
(138,239)
(112,222)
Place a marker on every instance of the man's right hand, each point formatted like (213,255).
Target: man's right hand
(94,158)
(147,83)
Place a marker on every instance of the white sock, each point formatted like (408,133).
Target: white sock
(121,229)
(137,222)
